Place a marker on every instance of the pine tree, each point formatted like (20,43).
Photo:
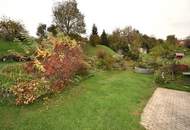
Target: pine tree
(104,39)
(94,37)
(94,30)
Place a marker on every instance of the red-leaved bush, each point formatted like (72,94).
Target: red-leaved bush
(57,61)
(63,64)
(181,68)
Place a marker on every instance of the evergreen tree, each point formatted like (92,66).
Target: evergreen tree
(94,37)
(94,30)
(104,39)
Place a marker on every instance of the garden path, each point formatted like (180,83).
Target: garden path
(167,110)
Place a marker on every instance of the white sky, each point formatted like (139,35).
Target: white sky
(153,17)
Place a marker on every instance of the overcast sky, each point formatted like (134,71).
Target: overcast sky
(152,17)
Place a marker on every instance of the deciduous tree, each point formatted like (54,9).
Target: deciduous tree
(68,17)
(10,29)
(42,31)
(53,29)
(171,39)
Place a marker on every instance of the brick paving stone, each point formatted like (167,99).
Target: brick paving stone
(167,110)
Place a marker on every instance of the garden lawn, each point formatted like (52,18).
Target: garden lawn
(107,101)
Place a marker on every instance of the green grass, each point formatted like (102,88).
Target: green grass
(7,47)
(92,51)
(11,72)
(108,101)
(186,60)
(178,85)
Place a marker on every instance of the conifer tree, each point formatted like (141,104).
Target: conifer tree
(94,38)
(104,39)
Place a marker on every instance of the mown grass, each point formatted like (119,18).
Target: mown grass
(108,101)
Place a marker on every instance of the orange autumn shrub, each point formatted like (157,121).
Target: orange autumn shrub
(57,61)
(63,64)
(27,92)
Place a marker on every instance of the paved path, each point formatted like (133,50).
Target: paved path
(167,110)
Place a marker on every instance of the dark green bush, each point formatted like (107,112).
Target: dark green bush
(132,55)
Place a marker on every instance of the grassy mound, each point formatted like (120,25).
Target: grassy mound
(7,48)
(92,51)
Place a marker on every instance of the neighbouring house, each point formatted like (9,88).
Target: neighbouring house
(144,49)
(185,43)
(181,42)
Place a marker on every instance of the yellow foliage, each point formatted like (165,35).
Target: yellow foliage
(42,53)
(38,65)
(61,39)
